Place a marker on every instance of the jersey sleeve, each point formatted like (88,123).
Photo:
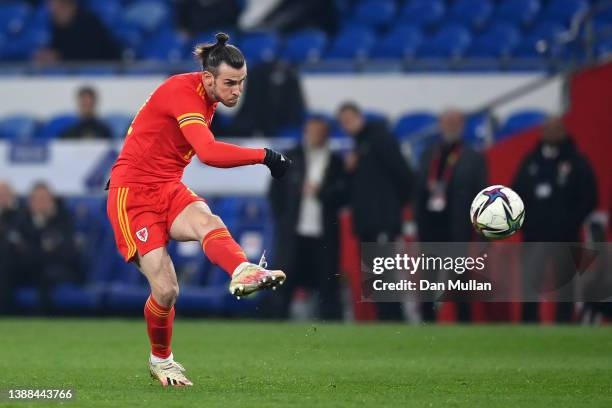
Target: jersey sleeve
(189,112)
(186,106)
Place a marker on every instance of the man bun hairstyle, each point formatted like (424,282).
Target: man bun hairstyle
(213,55)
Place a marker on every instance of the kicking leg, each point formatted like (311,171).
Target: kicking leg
(159,315)
(197,223)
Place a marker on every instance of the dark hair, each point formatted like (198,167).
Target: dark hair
(350,106)
(87,90)
(213,55)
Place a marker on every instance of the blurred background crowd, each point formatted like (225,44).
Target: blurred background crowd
(359,174)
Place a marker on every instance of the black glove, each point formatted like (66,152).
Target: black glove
(277,163)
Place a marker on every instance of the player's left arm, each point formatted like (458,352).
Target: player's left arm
(195,128)
(225,155)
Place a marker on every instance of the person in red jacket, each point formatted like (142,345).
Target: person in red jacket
(148,204)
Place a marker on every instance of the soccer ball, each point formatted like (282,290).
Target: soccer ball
(497,212)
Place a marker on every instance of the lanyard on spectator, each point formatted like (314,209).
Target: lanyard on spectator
(449,167)
(437,199)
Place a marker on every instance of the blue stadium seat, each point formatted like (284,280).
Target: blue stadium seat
(189,261)
(73,299)
(40,17)
(147,15)
(519,121)
(125,298)
(413,122)
(128,36)
(209,299)
(259,47)
(374,13)
(498,41)
(17,127)
(352,42)
(562,11)
(402,41)
(118,123)
(424,13)
(545,31)
(65,298)
(304,46)
(450,41)
(472,13)
(25,44)
(249,220)
(26,299)
(13,17)
(477,131)
(56,126)
(93,237)
(167,45)
(520,12)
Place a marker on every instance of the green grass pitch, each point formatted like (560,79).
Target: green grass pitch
(254,364)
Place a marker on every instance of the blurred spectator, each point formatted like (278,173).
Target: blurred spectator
(274,101)
(450,175)
(556,182)
(9,211)
(195,17)
(381,184)
(77,35)
(89,126)
(305,204)
(46,250)
(559,190)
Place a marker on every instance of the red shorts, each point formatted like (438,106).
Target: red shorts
(141,216)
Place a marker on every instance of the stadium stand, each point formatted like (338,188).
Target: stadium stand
(371,30)
(400,29)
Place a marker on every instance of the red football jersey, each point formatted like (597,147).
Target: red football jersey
(156,149)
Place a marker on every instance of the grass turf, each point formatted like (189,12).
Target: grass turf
(276,364)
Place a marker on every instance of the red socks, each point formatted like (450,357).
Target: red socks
(222,250)
(159,326)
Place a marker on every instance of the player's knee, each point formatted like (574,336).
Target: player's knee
(216,222)
(167,293)
(208,224)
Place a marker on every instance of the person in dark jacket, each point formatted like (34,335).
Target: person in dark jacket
(449,177)
(381,179)
(305,205)
(46,249)
(88,126)
(559,190)
(380,186)
(77,35)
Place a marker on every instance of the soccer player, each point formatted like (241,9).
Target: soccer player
(148,204)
